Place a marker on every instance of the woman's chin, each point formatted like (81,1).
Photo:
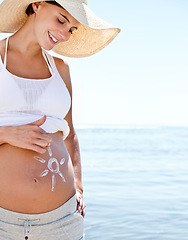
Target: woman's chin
(48,47)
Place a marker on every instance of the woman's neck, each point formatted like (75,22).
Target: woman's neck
(24,40)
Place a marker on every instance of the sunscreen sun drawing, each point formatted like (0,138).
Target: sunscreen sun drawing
(54,169)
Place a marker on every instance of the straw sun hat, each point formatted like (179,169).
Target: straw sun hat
(92,35)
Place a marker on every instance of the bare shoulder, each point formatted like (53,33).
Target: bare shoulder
(63,69)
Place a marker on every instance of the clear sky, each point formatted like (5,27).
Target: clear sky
(142,76)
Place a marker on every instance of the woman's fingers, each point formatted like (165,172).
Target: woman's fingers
(40,134)
(46,138)
(37,149)
(83,211)
(81,207)
(80,204)
(42,143)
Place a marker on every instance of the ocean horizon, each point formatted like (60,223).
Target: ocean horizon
(135,181)
(128,126)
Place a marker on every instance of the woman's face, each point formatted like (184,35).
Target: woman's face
(52,24)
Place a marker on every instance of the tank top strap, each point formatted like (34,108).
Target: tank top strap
(43,53)
(51,61)
(47,59)
(5,57)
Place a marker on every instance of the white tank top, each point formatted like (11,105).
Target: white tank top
(24,100)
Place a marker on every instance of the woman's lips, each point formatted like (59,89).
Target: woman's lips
(52,38)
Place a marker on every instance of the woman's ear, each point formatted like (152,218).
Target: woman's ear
(36,6)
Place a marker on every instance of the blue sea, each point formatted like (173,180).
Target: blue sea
(135,182)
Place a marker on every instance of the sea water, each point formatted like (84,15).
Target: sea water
(135,182)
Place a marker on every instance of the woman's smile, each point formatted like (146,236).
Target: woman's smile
(52,38)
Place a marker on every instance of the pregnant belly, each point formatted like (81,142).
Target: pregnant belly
(35,183)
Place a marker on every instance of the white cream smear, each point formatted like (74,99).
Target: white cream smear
(54,169)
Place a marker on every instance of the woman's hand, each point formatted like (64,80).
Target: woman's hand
(29,136)
(80,203)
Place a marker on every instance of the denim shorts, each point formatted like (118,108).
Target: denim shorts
(62,223)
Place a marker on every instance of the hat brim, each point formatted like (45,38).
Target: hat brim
(93,33)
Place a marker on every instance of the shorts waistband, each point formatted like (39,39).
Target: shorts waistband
(66,209)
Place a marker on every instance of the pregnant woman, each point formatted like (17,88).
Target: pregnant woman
(41,193)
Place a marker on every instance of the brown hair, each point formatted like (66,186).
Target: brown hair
(29,10)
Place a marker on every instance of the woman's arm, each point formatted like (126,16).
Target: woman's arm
(71,142)
(72,146)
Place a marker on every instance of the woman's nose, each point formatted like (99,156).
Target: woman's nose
(65,34)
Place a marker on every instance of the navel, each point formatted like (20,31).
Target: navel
(35,180)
